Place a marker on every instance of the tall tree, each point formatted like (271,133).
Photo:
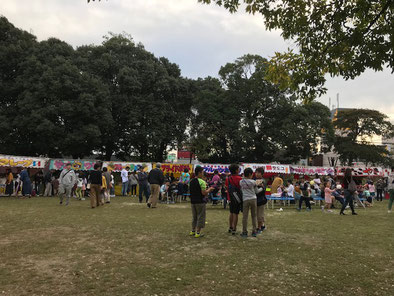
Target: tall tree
(246,118)
(148,98)
(356,128)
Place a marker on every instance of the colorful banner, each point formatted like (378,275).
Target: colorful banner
(221,168)
(117,166)
(78,165)
(362,172)
(175,169)
(269,168)
(322,171)
(388,173)
(24,162)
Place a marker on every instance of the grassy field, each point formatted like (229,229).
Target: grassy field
(127,249)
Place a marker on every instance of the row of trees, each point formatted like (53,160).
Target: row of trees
(117,99)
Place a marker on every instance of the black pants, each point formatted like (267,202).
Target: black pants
(133,189)
(307,202)
(348,201)
(379,194)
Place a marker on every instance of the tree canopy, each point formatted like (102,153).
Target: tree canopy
(336,37)
(356,128)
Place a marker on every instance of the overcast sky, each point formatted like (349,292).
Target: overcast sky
(197,37)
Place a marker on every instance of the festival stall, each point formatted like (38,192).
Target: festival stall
(78,165)
(312,171)
(88,165)
(175,169)
(117,166)
(269,169)
(22,162)
(221,168)
(362,171)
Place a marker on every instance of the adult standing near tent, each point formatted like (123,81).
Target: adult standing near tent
(107,176)
(125,180)
(379,190)
(67,181)
(143,184)
(96,181)
(155,179)
(350,188)
(133,184)
(26,182)
(48,183)
(9,183)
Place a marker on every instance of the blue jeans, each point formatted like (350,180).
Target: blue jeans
(125,185)
(144,188)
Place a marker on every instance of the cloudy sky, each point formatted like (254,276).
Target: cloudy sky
(197,37)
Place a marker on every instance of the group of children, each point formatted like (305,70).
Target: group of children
(246,194)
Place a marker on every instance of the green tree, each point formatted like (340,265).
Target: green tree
(148,98)
(355,129)
(337,38)
(55,109)
(244,117)
(59,108)
(214,123)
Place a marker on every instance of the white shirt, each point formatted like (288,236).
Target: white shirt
(125,176)
(290,190)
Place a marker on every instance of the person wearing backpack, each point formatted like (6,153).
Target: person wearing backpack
(261,200)
(350,188)
(234,196)
(198,193)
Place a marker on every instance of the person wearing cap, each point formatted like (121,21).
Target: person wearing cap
(155,179)
(67,181)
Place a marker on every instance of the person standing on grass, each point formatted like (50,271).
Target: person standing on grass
(350,188)
(261,200)
(379,190)
(155,179)
(26,183)
(305,196)
(112,189)
(235,205)
(96,181)
(48,183)
(133,184)
(125,180)
(9,184)
(107,176)
(249,190)
(328,197)
(198,193)
(390,188)
(143,184)
(67,181)
(78,191)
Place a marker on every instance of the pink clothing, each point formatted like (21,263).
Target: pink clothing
(327,195)
(371,188)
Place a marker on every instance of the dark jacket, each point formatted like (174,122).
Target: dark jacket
(196,196)
(156,176)
(96,177)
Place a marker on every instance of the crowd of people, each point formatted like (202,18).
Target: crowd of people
(247,192)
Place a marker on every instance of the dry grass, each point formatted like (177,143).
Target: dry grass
(126,249)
